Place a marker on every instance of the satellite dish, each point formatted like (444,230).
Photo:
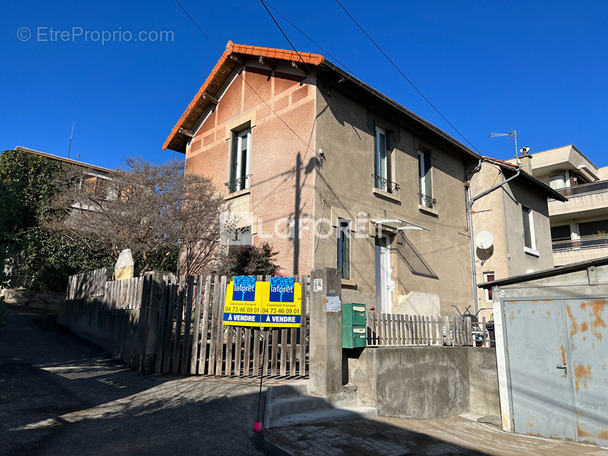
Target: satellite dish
(484,240)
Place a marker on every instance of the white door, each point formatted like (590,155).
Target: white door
(383,275)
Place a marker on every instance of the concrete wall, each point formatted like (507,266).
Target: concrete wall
(436,261)
(114,330)
(34,300)
(426,382)
(282,160)
(128,334)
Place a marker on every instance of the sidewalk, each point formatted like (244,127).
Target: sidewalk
(397,436)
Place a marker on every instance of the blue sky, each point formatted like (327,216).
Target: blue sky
(538,67)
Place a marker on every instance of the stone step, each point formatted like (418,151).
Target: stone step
(289,389)
(290,405)
(325,415)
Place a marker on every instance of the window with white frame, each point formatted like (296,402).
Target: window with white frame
(382,162)
(425,182)
(529,236)
(240,161)
(344,248)
(489,277)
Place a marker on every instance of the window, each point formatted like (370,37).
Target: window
(529,237)
(344,248)
(424,174)
(489,277)
(557,181)
(382,166)
(239,161)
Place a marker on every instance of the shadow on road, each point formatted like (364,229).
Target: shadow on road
(61,395)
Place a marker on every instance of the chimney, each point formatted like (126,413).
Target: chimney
(525,162)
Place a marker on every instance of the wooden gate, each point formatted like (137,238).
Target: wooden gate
(191,338)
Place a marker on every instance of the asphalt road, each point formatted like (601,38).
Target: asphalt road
(61,395)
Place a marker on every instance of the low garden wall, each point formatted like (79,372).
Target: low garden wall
(426,382)
(33,299)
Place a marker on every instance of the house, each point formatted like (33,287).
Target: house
(96,179)
(579,228)
(334,174)
(510,224)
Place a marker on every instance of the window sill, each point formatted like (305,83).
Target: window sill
(245,191)
(532,252)
(349,283)
(386,195)
(428,210)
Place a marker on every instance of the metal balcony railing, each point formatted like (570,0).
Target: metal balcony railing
(385,184)
(238,184)
(579,190)
(427,201)
(584,242)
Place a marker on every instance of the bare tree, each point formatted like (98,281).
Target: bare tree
(154,210)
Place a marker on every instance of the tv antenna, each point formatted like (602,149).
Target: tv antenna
(71,136)
(512,136)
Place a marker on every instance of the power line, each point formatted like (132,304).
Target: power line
(405,77)
(197,26)
(245,80)
(284,34)
(335,59)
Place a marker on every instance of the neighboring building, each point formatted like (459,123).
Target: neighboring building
(579,228)
(517,217)
(335,174)
(96,179)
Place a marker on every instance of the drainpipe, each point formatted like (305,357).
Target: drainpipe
(470,220)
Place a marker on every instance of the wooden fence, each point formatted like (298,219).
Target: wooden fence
(400,330)
(191,338)
(87,284)
(116,294)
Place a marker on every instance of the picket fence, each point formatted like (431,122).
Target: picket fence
(192,339)
(400,330)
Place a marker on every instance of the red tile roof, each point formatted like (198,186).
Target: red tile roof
(225,66)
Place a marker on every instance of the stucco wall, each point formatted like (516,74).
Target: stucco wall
(435,261)
(282,158)
(427,382)
(500,213)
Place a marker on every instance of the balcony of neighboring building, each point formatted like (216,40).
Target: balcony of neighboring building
(580,241)
(585,200)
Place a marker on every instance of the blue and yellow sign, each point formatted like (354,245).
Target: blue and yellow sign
(263,304)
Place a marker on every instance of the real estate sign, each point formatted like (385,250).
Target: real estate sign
(263,304)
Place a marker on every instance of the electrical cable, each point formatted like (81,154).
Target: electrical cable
(326,52)
(246,82)
(406,78)
(284,34)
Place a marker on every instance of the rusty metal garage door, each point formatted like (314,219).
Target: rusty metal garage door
(557,356)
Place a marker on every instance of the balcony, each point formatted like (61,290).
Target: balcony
(583,201)
(238,184)
(584,242)
(593,187)
(566,251)
(385,184)
(427,201)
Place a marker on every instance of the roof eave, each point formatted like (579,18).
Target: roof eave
(403,110)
